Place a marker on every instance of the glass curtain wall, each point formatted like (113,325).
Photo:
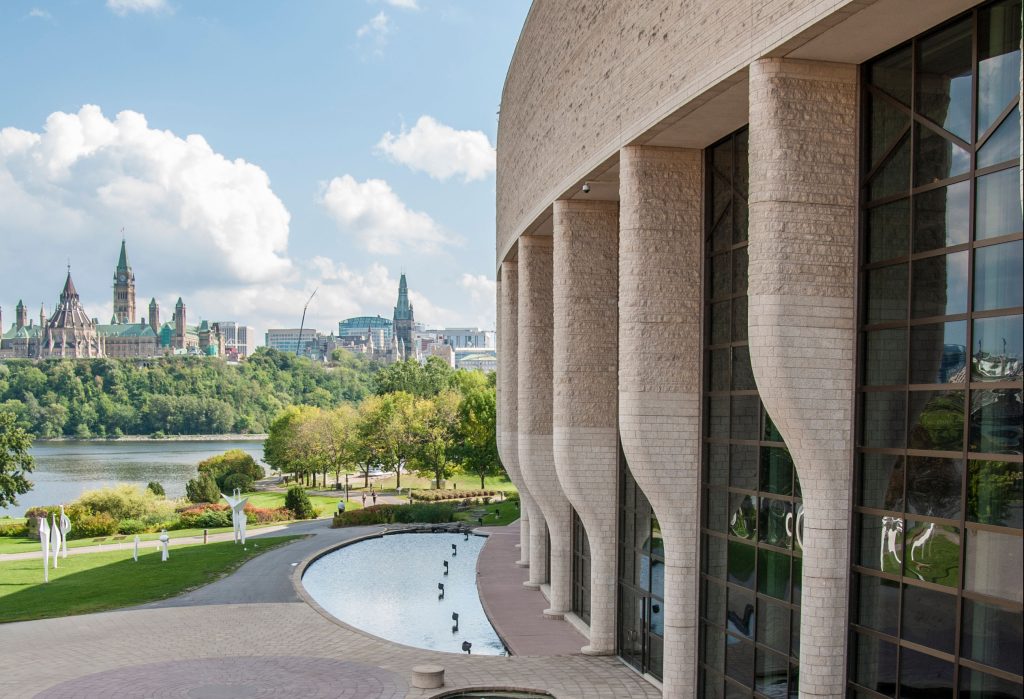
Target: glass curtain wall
(580,569)
(936,599)
(752,515)
(641,608)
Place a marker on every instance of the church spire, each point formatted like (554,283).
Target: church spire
(122,260)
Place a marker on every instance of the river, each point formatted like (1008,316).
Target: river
(63,470)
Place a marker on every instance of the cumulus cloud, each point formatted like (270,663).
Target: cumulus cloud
(61,188)
(440,151)
(404,4)
(378,27)
(39,13)
(123,7)
(381,222)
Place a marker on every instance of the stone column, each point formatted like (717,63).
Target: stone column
(507,390)
(660,241)
(803,196)
(536,456)
(586,288)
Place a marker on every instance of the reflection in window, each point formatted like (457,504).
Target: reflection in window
(936,605)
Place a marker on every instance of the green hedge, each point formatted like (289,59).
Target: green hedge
(436,495)
(390,514)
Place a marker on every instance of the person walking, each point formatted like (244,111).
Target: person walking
(364,499)
(374,494)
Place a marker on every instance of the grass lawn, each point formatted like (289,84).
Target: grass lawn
(507,512)
(20,544)
(95,582)
(461,481)
(326,505)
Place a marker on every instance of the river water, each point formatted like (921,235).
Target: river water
(63,470)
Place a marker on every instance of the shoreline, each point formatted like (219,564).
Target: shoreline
(166,438)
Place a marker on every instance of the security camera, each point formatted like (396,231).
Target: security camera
(586,188)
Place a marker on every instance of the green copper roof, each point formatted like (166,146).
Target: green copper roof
(122,261)
(126,330)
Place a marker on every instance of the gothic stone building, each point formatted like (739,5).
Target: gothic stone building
(760,299)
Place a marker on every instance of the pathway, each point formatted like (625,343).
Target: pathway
(251,635)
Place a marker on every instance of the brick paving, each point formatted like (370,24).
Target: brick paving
(254,633)
(516,612)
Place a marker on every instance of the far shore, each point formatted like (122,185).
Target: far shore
(165,438)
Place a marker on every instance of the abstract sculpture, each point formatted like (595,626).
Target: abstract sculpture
(55,540)
(164,555)
(65,527)
(237,504)
(135,551)
(44,541)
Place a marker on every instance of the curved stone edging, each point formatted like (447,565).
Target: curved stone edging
(304,564)
(541,693)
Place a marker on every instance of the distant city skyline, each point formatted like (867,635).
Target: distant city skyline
(245,177)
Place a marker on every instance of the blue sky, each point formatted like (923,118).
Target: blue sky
(254,151)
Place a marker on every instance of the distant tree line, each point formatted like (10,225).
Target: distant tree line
(429,419)
(174,395)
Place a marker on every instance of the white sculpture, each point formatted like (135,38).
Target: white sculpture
(135,550)
(237,503)
(65,527)
(164,555)
(44,541)
(55,540)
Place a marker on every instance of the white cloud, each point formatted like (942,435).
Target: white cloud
(123,7)
(379,220)
(404,4)
(39,13)
(482,295)
(441,151)
(62,188)
(378,27)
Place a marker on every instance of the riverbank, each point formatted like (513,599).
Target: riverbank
(164,438)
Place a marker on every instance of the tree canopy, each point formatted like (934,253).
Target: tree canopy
(15,460)
(173,395)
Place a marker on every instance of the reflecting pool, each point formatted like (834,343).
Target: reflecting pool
(389,587)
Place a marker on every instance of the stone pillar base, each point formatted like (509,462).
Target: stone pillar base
(590,650)
(523,564)
(530,585)
(554,614)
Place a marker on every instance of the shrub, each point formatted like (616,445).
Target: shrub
(242,481)
(131,526)
(211,519)
(203,488)
(155,488)
(93,525)
(266,515)
(125,502)
(195,516)
(387,514)
(298,502)
(14,529)
(230,462)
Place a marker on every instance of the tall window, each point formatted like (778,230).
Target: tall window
(936,606)
(580,569)
(641,608)
(752,517)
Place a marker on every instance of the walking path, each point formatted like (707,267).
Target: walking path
(517,612)
(250,634)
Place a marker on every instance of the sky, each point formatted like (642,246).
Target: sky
(253,152)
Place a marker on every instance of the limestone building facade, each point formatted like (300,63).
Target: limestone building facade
(760,297)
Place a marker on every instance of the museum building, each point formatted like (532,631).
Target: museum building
(760,340)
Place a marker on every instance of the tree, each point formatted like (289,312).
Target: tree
(15,460)
(299,503)
(476,448)
(202,488)
(436,435)
(155,488)
(423,381)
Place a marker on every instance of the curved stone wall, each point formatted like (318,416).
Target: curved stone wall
(803,194)
(586,252)
(660,234)
(590,77)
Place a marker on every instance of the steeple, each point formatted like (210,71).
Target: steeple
(42,315)
(154,315)
(21,314)
(403,319)
(124,289)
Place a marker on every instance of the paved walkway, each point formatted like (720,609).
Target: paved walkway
(517,612)
(250,635)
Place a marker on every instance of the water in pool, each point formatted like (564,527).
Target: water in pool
(388,587)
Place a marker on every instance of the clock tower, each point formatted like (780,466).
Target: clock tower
(124,289)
